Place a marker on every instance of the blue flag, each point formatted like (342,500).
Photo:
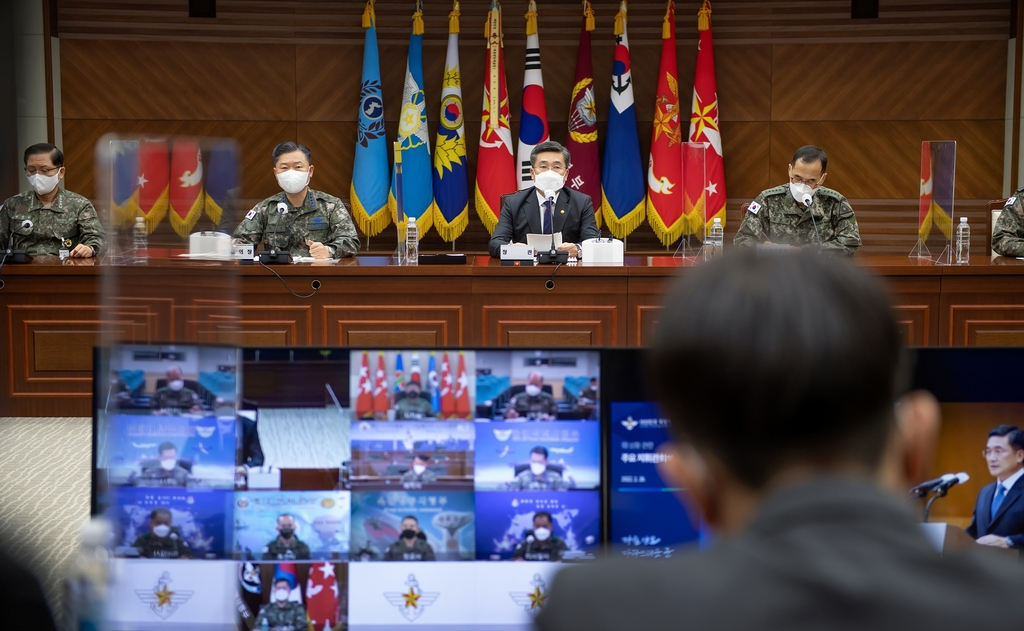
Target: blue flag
(221,179)
(399,373)
(370,166)
(417,192)
(451,184)
(124,184)
(623,189)
(434,383)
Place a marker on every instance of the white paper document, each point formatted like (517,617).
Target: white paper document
(542,242)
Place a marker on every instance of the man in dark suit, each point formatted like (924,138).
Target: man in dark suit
(789,443)
(999,513)
(547,207)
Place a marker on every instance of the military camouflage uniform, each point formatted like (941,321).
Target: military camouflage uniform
(1008,235)
(428,477)
(323,218)
(550,550)
(408,409)
(420,551)
(157,476)
(70,216)
(549,481)
(277,551)
(167,399)
(775,216)
(173,546)
(291,616)
(533,407)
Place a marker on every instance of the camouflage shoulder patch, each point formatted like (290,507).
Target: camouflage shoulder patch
(251,213)
(753,208)
(827,192)
(1010,201)
(778,190)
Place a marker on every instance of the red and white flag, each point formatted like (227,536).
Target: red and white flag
(154,171)
(364,400)
(704,129)
(381,401)
(186,186)
(495,167)
(533,119)
(322,597)
(447,397)
(462,391)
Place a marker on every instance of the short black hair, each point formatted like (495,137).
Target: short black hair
(801,359)
(1013,434)
(811,154)
(56,155)
(543,513)
(288,147)
(540,450)
(412,517)
(160,511)
(547,147)
(423,457)
(168,446)
(285,515)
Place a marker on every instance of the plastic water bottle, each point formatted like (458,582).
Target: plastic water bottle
(140,244)
(714,241)
(412,242)
(87,585)
(963,242)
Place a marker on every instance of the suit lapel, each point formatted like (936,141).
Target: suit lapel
(985,514)
(532,209)
(561,211)
(1010,498)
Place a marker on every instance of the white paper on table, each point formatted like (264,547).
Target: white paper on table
(542,242)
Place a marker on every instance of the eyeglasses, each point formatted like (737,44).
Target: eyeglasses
(796,179)
(30,171)
(998,452)
(557,168)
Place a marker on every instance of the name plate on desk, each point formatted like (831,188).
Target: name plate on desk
(243,251)
(772,248)
(516,254)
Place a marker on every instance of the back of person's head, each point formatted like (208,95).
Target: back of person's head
(770,360)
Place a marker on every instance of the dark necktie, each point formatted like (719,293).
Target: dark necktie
(997,501)
(547,217)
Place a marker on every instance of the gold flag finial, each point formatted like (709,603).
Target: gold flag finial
(704,17)
(666,27)
(369,17)
(588,11)
(531,19)
(620,19)
(453,18)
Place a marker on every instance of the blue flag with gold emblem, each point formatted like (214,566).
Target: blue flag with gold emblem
(370,167)
(451,183)
(417,191)
(124,181)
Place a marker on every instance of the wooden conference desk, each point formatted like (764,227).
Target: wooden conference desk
(51,315)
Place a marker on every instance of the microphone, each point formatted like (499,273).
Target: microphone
(805,199)
(275,255)
(10,254)
(959,478)
(554,255)
(921,490)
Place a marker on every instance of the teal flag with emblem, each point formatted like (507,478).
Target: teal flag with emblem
(417,191)
(451,182)
(370,168)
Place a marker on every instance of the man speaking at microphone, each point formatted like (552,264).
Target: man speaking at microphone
(999,513)
(299,220)
(803,213)
(47,220)
(548,207)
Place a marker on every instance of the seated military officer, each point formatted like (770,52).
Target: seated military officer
(1008,233)
(286,546)
(540,543)
(533,403)
(412,406)
(538,477)
(300,220)
(419,474)
(412,545)
(802,213)
(163,541)
(47,219)
(282,613)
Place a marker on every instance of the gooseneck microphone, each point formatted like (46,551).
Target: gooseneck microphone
(806,200)
(275,255)
(948,482)
(923,489)
(554,255)
(10,255)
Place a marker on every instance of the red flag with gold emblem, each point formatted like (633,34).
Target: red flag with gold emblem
(704,129)
(664,171)
(585,175)
(186,185)
(154,171)
(495,168)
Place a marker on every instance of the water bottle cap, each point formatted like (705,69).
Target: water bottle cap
(718,220)
(963,220)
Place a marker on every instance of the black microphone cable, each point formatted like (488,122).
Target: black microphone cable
(310,295)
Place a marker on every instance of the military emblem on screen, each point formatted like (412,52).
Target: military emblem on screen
(533,601)
(413,601)
(629,423)
(161,600)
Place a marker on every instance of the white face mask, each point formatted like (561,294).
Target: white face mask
(418,469)
(162,530)
(205,432)
(281,594)
(538,468)
(548,181)
(168,465)
(542,534)
(799,190)
(532,390)
(44,184)
(176,385)
(293,181)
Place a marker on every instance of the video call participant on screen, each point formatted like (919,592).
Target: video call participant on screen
(529,211)
(166,472)
(419,473)
(538,477)
(790,443)
(58,219)
(299,220)
(413,406)
(533,403)
(778,215)
(999,512)
(175,398)
(163,541)
(588,398)
(281,614)
(119,395)
(540,544)
(212,441)
(286,546)
(412,545)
